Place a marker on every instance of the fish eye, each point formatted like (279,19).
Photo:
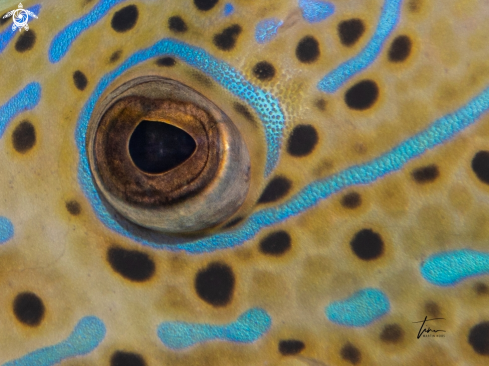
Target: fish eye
(165,157)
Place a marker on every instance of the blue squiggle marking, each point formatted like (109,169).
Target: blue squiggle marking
(228,9)
(249,327)
(266,30)
(8,34)
(86,336)
(64,39)
(6,229)
(388,20)
(24,100)
(314,11)
(450,268)
(360,309)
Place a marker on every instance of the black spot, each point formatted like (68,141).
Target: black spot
(205,4)
(392,333)
(73,207)
(276,243)
(302,140)
(351,200)
(290,347)
(244,111)
(177,25)
(233,222)
(307,50)
(115,56)
(125,19)
(480,165)
(28,309)
(166,61)
(362,95)
(157,147)
(120,358)
(215,284)
(425,174)
(432,308)
(24,137)
(367,244)
(276,189)
(351,353)
(25,41)
(350,31)
(481,288)
(226,40)
(131,264)
(479,338)
(321,104)
(80,80)
(400,49)
(264,70)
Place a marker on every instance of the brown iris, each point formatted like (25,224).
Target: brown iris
(167,158)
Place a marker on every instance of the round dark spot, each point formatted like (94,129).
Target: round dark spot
(479,338)
(215,284)
(276,189)
(28,309)
(131,264)
(351,353)
(226,40)
(351,200)
(276,243)
(205,4)
(392,333)
(307,50)
(321,104)
(115,56)
(120,358)
(425,174)
(432,308)
(80,80)
(264,70)
(25,41)
(157,147)
(481,288)
(24,137)
(350,31)
(166,61)
(400,49)
(480,166)
(302,140)
(73,207)
(290,347)
(362,95)
(367,244)
(177,25)
(125,19)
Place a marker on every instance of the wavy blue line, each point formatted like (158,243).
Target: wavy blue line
(450,268)
(6,229)
(249,327)
(62,42)
(86,336)
(8,34)
(360,309)
(24,100)
(388,21)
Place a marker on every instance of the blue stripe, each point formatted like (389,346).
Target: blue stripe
(388,21)
(6,229)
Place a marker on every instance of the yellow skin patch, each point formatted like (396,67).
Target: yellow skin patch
(61,257)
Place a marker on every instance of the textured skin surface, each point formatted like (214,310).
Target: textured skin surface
(55,243)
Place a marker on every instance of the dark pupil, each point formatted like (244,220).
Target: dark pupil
(157,147)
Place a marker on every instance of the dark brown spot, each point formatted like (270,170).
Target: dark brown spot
(131,264)
(321,104)
(125,19)
(24,137)
(426,174)
(481,288)
(479,338)
(275,190)
(177,24)
(166,61)
(226,40)
(362,95)
(307,50)
(276,243)
(432,308)
(290,347)
(80,80)
(400,49)
(367,244)
(392,333)
(350,31)
(264,71)
(351,200)
(29,309)
(351,354)
(115,56)
(25,41)
(121,358)
(215,284)
(302,140)
(73,207)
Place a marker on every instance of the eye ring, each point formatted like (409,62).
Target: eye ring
(196,194)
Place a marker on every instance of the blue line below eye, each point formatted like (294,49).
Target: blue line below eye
(249,327)
(360,309)
(388,21)
(86,336)
(450,268)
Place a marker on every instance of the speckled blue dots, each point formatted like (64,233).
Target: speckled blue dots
(86,336)
(450,268)
(360,309)
(266,30)
(6,229)
(314,11)
(249,327)
(228,9)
